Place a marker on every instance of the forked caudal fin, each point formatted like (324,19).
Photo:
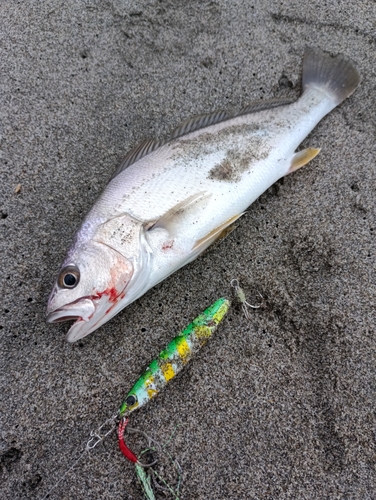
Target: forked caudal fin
(335,75)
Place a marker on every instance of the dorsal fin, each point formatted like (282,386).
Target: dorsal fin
(262,105)
(149,145)
(142,149)
(196,123)
(201,121)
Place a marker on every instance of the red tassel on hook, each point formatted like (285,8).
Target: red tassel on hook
(123,447)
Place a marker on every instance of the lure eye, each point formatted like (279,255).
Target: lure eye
(131,400)
(69,277)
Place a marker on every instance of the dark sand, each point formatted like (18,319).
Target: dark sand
(278,407)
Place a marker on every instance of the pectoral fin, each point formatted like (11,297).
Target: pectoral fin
(172,219)
(215,234)
(302,158)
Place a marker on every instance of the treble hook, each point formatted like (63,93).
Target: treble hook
(242,299)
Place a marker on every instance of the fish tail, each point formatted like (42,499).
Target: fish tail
(337,75)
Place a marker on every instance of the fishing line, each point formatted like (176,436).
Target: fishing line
(96,437)
(147,474)
(65,474)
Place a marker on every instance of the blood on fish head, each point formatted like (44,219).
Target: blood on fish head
(90,285)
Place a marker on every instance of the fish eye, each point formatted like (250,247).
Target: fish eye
(131,400)
(69,277)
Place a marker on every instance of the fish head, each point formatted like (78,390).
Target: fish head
(90,287)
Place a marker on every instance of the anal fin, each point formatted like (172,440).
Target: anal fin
(302,158)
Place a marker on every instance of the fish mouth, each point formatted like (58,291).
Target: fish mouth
(89,313)
(80,311)
(62,319)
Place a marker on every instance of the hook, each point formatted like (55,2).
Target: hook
(242,299)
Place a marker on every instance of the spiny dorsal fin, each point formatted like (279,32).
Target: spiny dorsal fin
(149,145)
(262,105)
(144,148)
(191,125)
(200,121)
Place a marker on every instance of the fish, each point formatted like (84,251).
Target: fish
(174,357)
(169,200)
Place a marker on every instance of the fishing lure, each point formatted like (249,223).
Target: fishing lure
(163,369)
(174,357)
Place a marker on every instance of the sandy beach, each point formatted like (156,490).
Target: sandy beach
(280,406)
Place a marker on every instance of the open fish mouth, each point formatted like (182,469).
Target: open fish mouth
(82,309)
(62,319)
(88,313)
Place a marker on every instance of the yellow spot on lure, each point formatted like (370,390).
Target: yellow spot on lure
(173,358)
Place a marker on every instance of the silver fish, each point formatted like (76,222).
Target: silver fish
(169,200)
